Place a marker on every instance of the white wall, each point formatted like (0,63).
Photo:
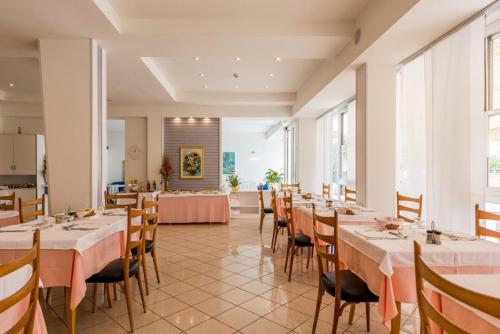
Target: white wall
(136,136)
(309,172)
(29,125)
(116,153)
(269,154)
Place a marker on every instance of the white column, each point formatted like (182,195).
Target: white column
(376,97)
(307,169)
(154,147)
(74,99)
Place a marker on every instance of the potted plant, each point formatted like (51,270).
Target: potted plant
(165,171)
(234,181)
(273,177)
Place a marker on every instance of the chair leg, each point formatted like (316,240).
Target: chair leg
(318,306)
(107,291)
(308,257)
(114,292)
(352,309)
(294,250)
(336,315)
(143,260)
(261,222)
(367,305)
(272,239)
(155,262)
(138,276)
(94,306)
(126,284)
(287,253)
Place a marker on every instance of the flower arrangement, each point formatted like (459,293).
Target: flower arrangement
(273,177)
(234,181)
(166,169)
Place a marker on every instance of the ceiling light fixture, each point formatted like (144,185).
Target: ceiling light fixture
(267,86)
(177,119)
(271,75)
(11,84)
(202,75)
(237,58)
(196,58)
(236,86)
(206,86)
(278,58)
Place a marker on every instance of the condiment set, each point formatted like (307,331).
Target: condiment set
(433,235)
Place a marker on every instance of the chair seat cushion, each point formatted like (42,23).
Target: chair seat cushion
(281,223)
(354,289)
(302,240)
(113,272)
(149,247)
(268,210)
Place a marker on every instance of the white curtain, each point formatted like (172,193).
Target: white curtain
(442,129)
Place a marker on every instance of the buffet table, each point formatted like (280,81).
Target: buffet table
(199,207)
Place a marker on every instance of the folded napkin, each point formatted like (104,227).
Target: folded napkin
(455,236)
(377,235)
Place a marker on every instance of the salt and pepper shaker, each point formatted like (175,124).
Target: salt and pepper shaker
(433,235)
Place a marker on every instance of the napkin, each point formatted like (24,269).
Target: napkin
(376,235)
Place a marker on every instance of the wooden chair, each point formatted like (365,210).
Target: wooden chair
(279,224)
(482,231)
(344,285)
(263,210)
(122,269)
(326,190)
(487,304)
(295,240)
(404,208)
(292,187)
(151,227)
(111,201)
(25,216)
(30,288)
(348,195)
(10,199)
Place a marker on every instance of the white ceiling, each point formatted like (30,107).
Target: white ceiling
(249,125)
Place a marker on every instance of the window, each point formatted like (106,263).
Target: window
(290,153)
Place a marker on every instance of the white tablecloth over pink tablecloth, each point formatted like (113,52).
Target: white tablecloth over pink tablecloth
(8,286)
(9,218)
(194,208)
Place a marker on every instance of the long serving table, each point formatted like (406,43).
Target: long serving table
(386,262)
(186,207)
(70,252)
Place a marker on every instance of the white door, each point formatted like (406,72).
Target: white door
(25,154)
(6,155)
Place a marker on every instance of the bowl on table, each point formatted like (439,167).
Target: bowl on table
(83,213)
(389,223)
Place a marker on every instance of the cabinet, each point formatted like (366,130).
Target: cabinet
(17,155)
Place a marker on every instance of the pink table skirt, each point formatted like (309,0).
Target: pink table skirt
(194,209)
(69,268)
(9,318)
(9,221)
(400,287)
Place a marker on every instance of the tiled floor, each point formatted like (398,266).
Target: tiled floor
(221,279)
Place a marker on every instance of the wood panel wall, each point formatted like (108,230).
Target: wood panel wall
(193,132)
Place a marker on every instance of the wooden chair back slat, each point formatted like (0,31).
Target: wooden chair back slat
(24,215)
(292,187)
(326,190)
(151,218)
(288,202)
(109,204)
(30,288)
(482,231)
(11,199)
(274,204)
(417,211)
(349,195)
(428,312)
(261,197)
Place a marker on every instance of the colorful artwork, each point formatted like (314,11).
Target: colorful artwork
(192,162)
(228,163)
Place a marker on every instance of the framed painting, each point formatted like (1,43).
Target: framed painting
(192,162)
(228,163)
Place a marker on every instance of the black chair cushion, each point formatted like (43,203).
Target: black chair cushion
(354,289)
(113,272)
(281,223)
(148,246)
(302,240)
(268,210)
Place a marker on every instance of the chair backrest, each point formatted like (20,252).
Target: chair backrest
(151,218)
(349,195)
(292,187)
(288,202)
(25,215)
(134,241)
(30,288)
(111,201)
(321,240)
(326,190)
(274,204)
(11,199)
(261,198)
(428,312)
(482,231)
(402,207)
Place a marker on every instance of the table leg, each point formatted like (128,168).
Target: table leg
(70,314)
(396,322)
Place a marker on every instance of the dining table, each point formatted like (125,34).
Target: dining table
(9,285)
(9,217)
(384,259)
(183,207)
(70,252)
(143,195)
(470,319)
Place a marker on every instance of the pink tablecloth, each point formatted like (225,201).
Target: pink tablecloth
(210,208)
(14,314)
(8,218)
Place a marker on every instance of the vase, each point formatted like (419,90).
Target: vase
(165,185)
(234,189)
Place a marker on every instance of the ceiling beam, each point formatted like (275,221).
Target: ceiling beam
(248,99)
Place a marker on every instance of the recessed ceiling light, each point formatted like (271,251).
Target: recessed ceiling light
(202,75)
(237,58)
(11,84)
(236,86)
(196,58)
(271,75)
(267,86)
(206,86)
(278,58)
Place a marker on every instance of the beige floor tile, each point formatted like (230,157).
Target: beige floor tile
(279,295)
(158,327)
(256,287)
(216,288)
(193,297)
(237,296)
(176,288)
(321,327)
(304,305)
(168,306)
(264,326)
(287,318)
(219,273)
(211,326)
(260,305)
(187,318)
(237,317)
(199,280)
(236,279)
(110,327)
(359,326)
(295,287)
(214,306)
(236,267)
(184,274)
(140,319)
